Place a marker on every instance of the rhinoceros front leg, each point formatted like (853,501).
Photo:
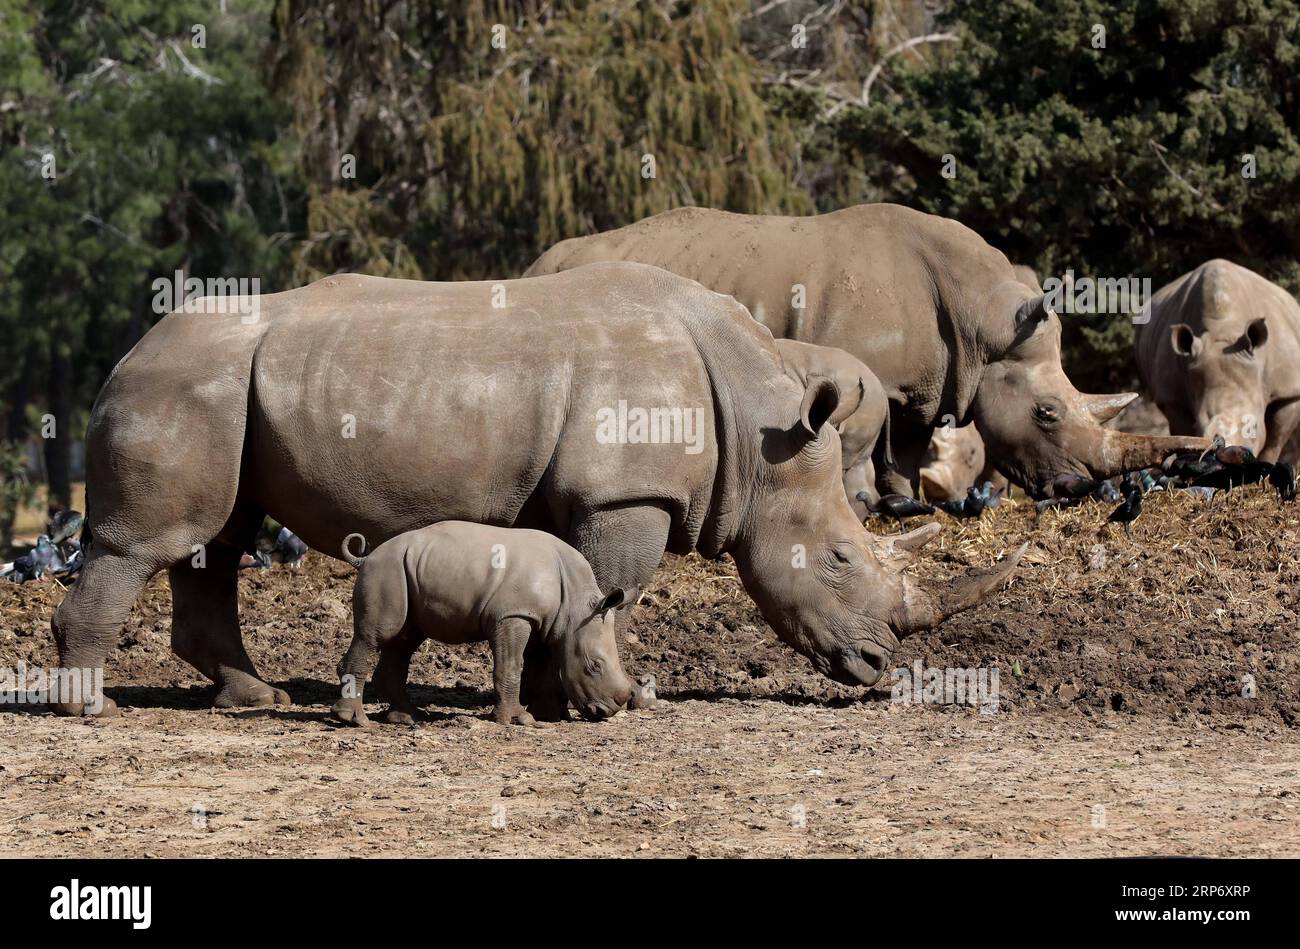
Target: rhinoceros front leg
(509,640)
(205,628)
(905,476)
(624,546)
(392,675)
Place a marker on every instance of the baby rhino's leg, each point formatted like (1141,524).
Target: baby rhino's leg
(391,678)
(509,640)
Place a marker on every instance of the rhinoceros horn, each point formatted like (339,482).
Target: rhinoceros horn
(924,610)
(1103,408)
(1119,452)
(898,549)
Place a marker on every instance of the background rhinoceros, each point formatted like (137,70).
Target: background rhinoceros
(1221,356)
(376,406)
(939,316)
(863,412)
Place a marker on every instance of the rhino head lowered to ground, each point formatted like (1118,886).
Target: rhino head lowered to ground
(622,408)
(937,314)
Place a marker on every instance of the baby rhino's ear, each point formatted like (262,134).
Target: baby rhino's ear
(612,600)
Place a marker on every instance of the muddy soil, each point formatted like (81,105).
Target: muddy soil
(1148,702)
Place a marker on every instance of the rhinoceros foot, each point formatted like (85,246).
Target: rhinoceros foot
(504,715)
(350,712)
(108,709)
(397,716)
(242,690)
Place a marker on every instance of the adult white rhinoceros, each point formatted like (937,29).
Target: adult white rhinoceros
(938,314)
(622,408)
(1221,356)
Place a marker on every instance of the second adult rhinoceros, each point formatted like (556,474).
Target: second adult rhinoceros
(627,410)
(1220,355)
(938,314)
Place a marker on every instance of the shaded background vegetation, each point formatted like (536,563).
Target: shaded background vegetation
(394,137)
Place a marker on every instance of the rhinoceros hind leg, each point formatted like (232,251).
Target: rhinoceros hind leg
(205,628)
(87,623)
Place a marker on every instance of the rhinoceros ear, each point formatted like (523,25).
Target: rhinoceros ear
(1256,334)
(1183,340)
(613,600)
(820,400)
(1032,312)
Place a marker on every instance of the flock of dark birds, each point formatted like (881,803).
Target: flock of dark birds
(1221,467)
(58,553)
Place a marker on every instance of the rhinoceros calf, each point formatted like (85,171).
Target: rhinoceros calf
(939,316)
(1220,355)
(458,582)
(864,407)
(622,408)
(953,462)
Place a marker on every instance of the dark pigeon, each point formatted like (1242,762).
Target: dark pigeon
(897,506)
(42,559)
(1127,512)
(1282,477)
(289,549)
(972,505)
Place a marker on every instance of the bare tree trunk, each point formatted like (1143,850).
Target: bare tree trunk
(15,432)
(58,450)
(15,429)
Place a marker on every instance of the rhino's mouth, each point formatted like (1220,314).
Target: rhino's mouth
(596,711)
(863,666)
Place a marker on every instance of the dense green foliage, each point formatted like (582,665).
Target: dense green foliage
(458,139)
(128,154)
(1120,160)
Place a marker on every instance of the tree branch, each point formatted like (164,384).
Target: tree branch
(901,47)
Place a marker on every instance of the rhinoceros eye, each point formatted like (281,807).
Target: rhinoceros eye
(1045,413)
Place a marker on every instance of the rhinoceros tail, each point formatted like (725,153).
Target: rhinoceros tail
(355,559)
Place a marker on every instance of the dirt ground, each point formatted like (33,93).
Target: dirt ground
(1149,703)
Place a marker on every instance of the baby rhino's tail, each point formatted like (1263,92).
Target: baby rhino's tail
(355,559)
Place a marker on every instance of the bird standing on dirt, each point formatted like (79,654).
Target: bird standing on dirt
(1127,512)
(1189,465)
(42,559)
(897,506)
(1109,493)
(289,548)
(1282,477)
(972,505)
